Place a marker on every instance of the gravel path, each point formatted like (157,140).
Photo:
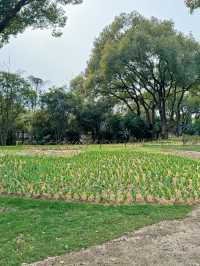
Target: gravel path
(168,243)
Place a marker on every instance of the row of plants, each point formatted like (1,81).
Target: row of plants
(120,176)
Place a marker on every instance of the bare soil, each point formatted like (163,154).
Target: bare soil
(49,152)
(189,154)
(168,243)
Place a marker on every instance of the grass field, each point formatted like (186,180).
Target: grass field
(33,230)
(108,174)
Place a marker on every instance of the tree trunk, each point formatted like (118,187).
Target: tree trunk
(178,120)
(163,119)
(3,138)
(178,113)
(164,130)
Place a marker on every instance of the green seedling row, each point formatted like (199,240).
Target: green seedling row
(121,176)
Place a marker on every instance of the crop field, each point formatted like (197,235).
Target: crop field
(114,175)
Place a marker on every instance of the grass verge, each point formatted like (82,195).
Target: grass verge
(33,230)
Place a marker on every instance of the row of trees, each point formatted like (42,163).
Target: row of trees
(142,81)
(71,115)
(61,115)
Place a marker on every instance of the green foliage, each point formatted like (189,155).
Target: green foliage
(15,95)
(70,116)
(113,176)
(147,65)
(93,118)
(136,127)
(190,109)
(193,4)
(193,128)
(65,116)
(77,85)
(57,106)
(17,15)
(141,82)
(40,125)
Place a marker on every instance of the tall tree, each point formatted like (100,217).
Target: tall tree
(58,105)
(17,15)
(77,85)
(38,84)
(145,63)
(15,94)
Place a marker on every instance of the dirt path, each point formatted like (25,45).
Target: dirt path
(169,243)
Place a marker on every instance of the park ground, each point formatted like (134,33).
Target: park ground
(84,226)
(166,243)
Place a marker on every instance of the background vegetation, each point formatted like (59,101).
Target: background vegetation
(141,82)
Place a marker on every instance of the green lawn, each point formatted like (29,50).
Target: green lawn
(31,230)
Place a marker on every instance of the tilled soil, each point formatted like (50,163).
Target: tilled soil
(168,243)
(46,152)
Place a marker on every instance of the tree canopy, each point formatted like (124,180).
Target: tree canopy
(141,82)
(17,15)
(16,94)
(193,4)
(147,65)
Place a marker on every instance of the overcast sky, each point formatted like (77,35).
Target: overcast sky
(60,59)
